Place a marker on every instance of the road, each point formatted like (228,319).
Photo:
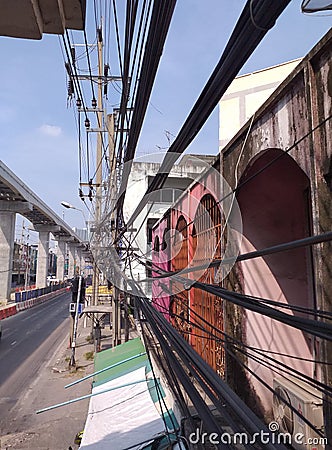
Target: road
(29,339)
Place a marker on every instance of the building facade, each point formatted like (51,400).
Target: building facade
(278,167)
(182,175)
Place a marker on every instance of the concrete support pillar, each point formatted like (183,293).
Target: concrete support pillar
(43,251)
(61,256)
(8,210)
(80,260)
(71,262)
(7,235)
(42,260)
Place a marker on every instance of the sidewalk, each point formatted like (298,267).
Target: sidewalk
(56,429)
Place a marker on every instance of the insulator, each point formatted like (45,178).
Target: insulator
(100,35)
(106,69)
(90,189)
(87,123)
(73,54)
(68,68)
(78,103)
(94,103)
(70,88)
(80,193)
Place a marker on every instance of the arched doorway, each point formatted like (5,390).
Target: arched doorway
(179,305)
(208,309)
(276,208)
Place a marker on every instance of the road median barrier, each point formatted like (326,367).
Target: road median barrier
(28,299)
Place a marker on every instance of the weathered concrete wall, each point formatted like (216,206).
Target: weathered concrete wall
(296,121)
(280,165)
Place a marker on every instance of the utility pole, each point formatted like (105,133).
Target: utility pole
(116,310)
(102,80)
(113,190)
(99,155)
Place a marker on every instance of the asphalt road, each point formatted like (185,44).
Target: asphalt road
(29,339)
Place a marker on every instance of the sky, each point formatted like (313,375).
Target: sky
(39,137)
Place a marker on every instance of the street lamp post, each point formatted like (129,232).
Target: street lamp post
(69,206)
(73,328)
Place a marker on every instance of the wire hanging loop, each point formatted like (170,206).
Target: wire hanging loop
(252,18)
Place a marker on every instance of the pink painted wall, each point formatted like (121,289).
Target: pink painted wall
(186,207)
(161,259)
(274,207)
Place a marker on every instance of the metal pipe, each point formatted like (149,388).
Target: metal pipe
(93,394)
(104,370)
(310,240)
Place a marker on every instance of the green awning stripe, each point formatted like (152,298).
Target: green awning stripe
(155,395)
(117,354)
(122,352)
(170,420)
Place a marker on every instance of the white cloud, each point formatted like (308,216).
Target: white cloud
(50,130)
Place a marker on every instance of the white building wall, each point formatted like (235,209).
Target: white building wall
(189,168)
(246,95)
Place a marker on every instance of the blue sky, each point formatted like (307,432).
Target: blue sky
(38,139)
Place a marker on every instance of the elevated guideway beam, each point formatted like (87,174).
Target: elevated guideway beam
(17,197)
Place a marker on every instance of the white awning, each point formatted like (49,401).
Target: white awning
(122,418)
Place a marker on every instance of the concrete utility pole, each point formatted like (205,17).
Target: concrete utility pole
(99,173)
(116,311)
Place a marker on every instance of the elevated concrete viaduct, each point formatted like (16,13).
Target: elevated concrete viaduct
(16,197)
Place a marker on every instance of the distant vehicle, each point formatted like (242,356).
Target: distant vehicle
(51,280)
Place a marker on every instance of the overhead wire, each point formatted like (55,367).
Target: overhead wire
(161,273)
(244,182)
(72,73)
(117,33)
(131,11)
(209,420)
(271,365)
(183,357)
(319,329)
(217,390)
(285,246)
(140,39)
(159,25)
(137,54)
(161,400)
(246,349)
(177,337)
(75,78)
(160,336)
(251,5)
(243,41)
(89,65)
